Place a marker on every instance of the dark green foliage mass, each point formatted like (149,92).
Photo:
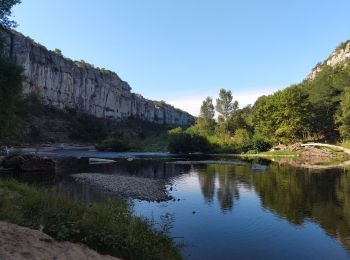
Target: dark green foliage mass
(10,78)
(283,116)
(113,144)
(343,117)
(10,96)
(188,143)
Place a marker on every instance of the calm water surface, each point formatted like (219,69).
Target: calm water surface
(282,213)
(233,212)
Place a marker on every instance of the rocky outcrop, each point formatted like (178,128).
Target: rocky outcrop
(340,55)
(64,83)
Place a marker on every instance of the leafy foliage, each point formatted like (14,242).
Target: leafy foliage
(5,13)
(113,144)
(284,116)
(225,107)
(205,121)
(343,117)
(188,143)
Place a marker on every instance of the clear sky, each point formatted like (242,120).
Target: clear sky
(181,51)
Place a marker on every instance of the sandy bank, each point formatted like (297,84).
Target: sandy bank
(22,243)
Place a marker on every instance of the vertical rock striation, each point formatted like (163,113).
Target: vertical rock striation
(64,83)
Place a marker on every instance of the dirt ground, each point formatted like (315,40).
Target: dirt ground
(18,242)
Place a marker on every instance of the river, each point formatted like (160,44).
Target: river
(257,209)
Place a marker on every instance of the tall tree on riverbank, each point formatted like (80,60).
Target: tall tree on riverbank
(343,117)
(205,121)
(225,107)
(284,116)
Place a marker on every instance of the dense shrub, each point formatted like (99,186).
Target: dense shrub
(188,143)
(260,145)
(113,144)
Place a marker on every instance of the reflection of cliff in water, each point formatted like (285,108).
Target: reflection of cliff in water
(299,195)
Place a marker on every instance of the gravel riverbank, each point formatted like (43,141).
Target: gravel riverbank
(126,186)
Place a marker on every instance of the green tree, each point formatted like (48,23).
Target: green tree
(241,118)
(241,138)
(206,120)
(343,117)
(283,116)
(5,13)
(324,94)
(58,52)
(225,107)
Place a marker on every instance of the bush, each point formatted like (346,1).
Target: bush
(261,145)
(252,151)
(113,144)
(188,143)
(108,227)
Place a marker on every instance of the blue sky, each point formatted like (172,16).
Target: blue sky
(181,51)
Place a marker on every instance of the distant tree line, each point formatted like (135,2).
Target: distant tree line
(316,109)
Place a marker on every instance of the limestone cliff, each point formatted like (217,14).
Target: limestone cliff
(341,55)
(64,83)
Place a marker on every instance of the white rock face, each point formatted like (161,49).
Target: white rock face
(340,55)
(64,83)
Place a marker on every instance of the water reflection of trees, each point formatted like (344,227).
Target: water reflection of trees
(294,194)
(224,181)
(299,195)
